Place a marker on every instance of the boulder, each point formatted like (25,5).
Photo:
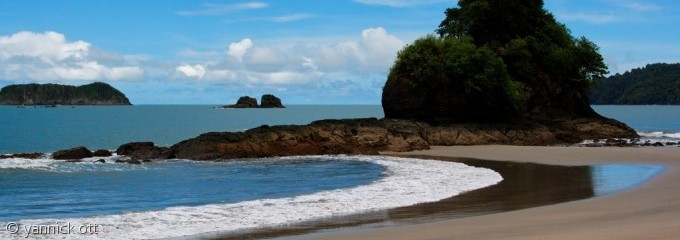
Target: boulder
(244,102)
(101,161)
(102,153)
(270,101)
(72,154)
(143,150)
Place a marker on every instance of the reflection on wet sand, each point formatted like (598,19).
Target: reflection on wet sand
(525,185)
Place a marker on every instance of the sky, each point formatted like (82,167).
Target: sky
(305,52)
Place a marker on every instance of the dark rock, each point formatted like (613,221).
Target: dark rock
(133,161)
(270,101)
(23,155)
(52,94)
(146,160)
(369,136)
(143,150)
(121,161)
(671,144)
(101,161)
(617,143)
(102,153)
(244,102)
(657,144)
(73,153)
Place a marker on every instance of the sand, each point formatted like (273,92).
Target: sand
(651,211)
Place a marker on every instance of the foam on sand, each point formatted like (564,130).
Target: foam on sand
(407,182)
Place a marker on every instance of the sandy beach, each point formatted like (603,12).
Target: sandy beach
(650,211)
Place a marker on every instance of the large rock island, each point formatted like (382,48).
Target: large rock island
(52,94)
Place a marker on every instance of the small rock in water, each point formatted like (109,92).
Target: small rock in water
(671,144)
(101,161)
(657,144)
(102,153)
(146,160)
(73,153)
(131,161)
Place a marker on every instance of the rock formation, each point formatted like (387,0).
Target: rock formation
(267,101)
(72,154)
(52,94)
(270,101)
(244,102)
(143,150)
(370,136)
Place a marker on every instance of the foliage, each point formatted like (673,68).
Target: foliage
(654,84)
(460,66)
(527,37)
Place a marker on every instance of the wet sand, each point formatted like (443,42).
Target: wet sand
(650,211)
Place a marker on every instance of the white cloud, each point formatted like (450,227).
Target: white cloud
(253,64)
(195,71)
(399,3)
(49,56)
(220,9)
(238,49)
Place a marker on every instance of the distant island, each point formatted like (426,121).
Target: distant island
(267,101)
(54,94)
(653,84)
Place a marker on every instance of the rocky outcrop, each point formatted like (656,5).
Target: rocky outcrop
(52,94)
(244,102)
(72,154)
(270,101)
(370,136)
(143,151)
(102,153)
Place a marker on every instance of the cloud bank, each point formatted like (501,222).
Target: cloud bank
(48,56)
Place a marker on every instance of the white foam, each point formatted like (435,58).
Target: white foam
(663,135)
(407,182)
(50,165)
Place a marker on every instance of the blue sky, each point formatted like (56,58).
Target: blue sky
(306,52)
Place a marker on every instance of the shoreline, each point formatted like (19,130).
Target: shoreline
(648,211)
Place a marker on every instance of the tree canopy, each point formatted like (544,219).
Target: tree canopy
(653,84)
(533,59)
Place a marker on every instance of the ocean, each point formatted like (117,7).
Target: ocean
(49,129)
(179,197)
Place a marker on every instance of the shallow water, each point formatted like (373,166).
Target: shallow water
(524,185)
(173,199)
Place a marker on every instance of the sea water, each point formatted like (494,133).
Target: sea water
(654,122)
(183,198)
(179,198)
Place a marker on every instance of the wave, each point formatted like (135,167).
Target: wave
(660,134)
(50,165)
(407,182)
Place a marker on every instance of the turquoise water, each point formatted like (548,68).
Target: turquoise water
(49,129)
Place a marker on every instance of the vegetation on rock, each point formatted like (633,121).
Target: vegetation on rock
(653,84)
(51,94)
(494,60)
